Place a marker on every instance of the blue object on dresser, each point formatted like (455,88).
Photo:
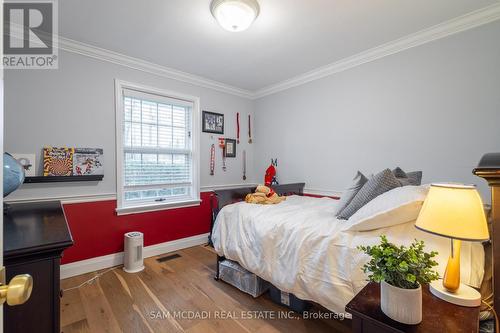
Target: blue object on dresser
(13,174)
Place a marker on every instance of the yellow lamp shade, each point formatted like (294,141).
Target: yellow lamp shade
(454,211)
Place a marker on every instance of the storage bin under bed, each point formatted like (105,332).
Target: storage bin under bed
(289,300)
(232,273)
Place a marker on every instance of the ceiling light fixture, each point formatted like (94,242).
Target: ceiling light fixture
(235,15)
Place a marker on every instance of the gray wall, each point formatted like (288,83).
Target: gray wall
(434,108)
(74,107)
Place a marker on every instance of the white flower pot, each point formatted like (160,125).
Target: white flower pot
(402,305)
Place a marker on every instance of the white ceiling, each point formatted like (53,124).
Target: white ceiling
(288,38)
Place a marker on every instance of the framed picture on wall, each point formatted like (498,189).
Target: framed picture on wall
(88,161)
(213,122)
(58,161)
(230,148)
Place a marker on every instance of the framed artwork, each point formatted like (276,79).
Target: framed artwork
(213,122)
(230,148)
(88,161)
(58,161)
(28,163)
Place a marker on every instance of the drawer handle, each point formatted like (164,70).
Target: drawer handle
(18,291)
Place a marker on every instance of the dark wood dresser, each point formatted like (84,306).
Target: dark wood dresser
(35,235)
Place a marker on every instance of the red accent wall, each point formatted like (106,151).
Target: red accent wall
(98,231)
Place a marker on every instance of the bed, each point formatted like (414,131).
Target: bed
(301,248)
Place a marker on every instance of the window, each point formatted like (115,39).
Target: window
(157,149)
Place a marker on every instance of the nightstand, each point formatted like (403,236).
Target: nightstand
(438,316)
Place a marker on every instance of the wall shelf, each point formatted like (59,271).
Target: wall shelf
(62,179)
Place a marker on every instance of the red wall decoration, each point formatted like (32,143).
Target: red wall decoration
(98,231)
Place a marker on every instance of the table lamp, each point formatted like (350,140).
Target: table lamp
(454,211)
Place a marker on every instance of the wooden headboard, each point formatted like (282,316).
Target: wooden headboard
(489,169)
(222,198)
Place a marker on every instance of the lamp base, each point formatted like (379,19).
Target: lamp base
(464,296)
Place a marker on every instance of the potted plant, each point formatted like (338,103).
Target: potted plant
(401,272)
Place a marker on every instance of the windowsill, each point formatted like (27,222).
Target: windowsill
(156,207)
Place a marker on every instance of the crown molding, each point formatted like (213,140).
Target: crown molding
(88,50)
(465,22)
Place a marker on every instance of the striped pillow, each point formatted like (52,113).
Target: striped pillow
(408,178)
(380,183)
(346,197)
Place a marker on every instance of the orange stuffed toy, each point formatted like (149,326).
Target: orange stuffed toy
(264,195)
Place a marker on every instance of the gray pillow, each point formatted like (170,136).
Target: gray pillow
(408,178)
(415,177)
(399,173)
(357,183)
(380,183)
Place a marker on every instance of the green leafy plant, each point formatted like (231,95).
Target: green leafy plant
(400,266)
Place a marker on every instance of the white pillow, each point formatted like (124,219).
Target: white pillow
(394,207)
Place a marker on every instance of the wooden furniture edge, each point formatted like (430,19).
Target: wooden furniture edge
(365,308)
(489,169)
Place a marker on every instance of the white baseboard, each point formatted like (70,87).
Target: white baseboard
(115,259)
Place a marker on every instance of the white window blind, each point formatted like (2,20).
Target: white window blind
(157,149)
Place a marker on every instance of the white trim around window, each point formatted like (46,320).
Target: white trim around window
(188,188)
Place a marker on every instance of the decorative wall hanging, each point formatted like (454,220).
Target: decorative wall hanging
(270,177)
(212,122)
(28,163)
(222,145)
(212,160)
(58,161)
(230,148)
(88,161)
(244,165)
(249,130)
(238,128)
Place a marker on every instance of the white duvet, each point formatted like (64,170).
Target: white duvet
(300,247)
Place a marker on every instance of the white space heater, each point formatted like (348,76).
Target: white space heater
(133,261)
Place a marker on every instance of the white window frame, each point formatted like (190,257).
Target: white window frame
(122,209)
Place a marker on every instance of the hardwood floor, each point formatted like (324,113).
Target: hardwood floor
(182,287)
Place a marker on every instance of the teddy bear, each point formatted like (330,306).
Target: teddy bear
(264,195)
